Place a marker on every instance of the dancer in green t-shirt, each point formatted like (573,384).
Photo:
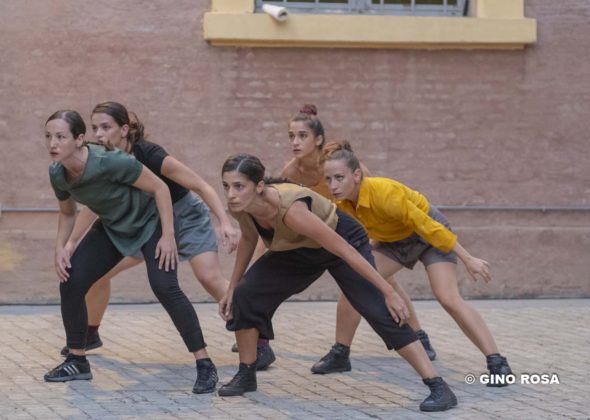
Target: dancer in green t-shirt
(119,190)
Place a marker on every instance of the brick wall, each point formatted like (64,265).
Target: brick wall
(463,127)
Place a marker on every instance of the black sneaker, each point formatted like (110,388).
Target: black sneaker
(423,337)
(441,397)
(234,348)
(497,365)
(337,360)
(243,381)
(70,370)
(206,377)
(264,356)
(93,341)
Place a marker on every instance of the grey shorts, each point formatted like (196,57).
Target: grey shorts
(409,251)
(193,229)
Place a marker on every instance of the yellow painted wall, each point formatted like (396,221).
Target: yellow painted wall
(492,24)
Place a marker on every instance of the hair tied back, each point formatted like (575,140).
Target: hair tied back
(309,109)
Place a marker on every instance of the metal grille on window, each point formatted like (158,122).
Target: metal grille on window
(374,7)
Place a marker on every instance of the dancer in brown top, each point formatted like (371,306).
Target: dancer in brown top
(306,235)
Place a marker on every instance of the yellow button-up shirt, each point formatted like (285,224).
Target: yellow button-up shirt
(390,212)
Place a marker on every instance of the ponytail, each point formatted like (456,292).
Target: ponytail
(136,129)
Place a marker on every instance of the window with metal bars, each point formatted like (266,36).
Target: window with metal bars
(374,7)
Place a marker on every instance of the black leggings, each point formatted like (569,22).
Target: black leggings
(276,276)
(95,256)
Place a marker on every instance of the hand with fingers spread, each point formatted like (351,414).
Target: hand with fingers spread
(167,253)
(478,269)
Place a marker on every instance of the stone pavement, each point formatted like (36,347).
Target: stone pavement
(143,370)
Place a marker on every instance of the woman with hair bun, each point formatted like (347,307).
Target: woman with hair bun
(307,137)
(406,229)
(306,235)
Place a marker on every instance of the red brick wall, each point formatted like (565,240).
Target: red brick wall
(463,127)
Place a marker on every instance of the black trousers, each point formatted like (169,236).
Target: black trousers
(93,258)
(276,276)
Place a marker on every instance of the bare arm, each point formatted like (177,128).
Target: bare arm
(84,220)
(182,175)
(65,225)
(246,247)
(301,220)
(166,248)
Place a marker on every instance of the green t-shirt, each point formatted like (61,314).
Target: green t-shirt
(128,214)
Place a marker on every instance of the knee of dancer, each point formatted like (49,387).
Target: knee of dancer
(166,290)
(245,295)
(373,312)
(212,279)
(403,339)
(72,290)
(450,303)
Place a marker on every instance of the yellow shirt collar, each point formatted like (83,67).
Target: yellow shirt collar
(364,196)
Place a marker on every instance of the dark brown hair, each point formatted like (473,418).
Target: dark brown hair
(72,118)
(122,117)
(309,115)
(248,165)
(251,167)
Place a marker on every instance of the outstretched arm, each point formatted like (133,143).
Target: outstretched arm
(166,248)
(246,247)
(183,175)
(301,220)
(440,237)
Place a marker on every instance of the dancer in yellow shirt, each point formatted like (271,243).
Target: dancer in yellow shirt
(307,139)
(405,229)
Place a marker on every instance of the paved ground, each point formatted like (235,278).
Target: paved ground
(143,371)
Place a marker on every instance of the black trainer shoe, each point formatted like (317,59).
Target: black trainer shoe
(264,356)
(93,341)
(69,370)
(243,381)
(206,377)
(426,344)
(441,397)
(497,365)
(337,360)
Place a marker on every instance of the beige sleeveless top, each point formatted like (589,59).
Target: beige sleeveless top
(284,238)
